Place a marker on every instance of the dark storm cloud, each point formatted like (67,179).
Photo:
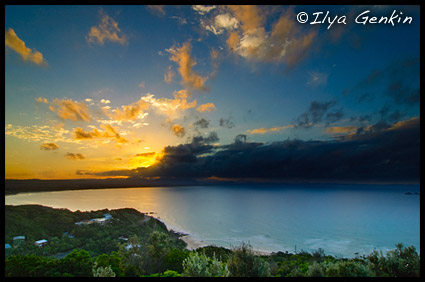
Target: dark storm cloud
(380,152)
(187,153)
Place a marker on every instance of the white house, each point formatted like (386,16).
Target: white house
(41,242)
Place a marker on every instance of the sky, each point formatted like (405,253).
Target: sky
(212,92)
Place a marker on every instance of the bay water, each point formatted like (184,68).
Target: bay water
(343,220)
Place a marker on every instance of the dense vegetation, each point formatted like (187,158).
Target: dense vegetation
(150,250)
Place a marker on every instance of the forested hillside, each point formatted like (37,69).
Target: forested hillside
(127,243)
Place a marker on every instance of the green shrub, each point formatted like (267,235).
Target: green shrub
(244,263)
(199,265)
(101,271)
(401,262)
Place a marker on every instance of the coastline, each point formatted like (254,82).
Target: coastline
(194,243)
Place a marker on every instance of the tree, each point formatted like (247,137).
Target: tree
(244,263)
(158,245)
(174,259)
(78,263)
(132,257)
(30,266)
(114,260)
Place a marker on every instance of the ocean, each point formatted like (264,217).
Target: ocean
(344,220)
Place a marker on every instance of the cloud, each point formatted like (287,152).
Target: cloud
(318,112)
(68,109)
(203,9)
(223,22)
(341,129)
(157,9)
(399,81)
(382,126)
(107,30)
(250,36)
(179,19)
(250,16)
(201,123)
(191,79)
(226,21)
(391,154)
(208,107)
(170,107)
(178,130)
(109,132)
(317,79)
(42,100)
(169,75)
(49,146)
(267,130)
(228,123)
(187,153)
(74,157)
(16,44)
(130,112)
(37,133)
(149,154)
(103,101)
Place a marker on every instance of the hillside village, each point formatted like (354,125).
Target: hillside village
(34,229)
(17,240)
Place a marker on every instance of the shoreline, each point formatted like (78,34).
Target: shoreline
(194,243)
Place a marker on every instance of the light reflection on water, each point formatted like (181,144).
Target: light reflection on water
(341,219)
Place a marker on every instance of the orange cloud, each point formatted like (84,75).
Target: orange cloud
(171,107)
(68,109)
(42,100)
(149,154)
(49,146)
(110,132)
(178,130)
(405,123)
(267,130)
(130,112)
(107,30)
(233,41)
(72,156)
(250,16)
(341,129)
(169,75)
(189,77)
(16,44)
(286,41)
(157,9)
(208,107)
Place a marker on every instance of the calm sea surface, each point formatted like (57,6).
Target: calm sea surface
(341,219)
